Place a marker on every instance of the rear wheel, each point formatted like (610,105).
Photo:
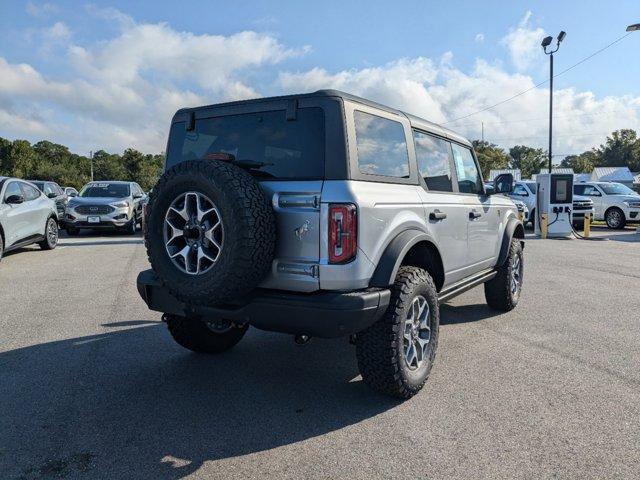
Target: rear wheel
(615,218)
(395,354)
(50,235)
(502,292)
(204,337)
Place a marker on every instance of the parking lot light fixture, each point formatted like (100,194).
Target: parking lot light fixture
(546,41)
(634,27)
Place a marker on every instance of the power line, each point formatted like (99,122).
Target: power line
(540,83)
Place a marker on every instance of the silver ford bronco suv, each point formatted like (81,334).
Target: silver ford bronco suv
(327,215)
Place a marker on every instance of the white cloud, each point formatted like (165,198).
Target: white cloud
(122,91)
(40,9)
(479,38)
(57,32)
(523,43)
(440,92)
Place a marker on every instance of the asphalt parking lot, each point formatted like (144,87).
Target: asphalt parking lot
(92,386)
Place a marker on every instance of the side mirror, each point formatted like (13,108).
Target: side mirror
(503,183)
(14,199)
(51,195)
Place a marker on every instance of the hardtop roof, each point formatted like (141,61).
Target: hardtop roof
(415,121)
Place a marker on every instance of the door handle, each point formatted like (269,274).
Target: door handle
(473,214)
(437,215)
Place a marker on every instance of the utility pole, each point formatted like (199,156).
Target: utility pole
(545,43)
(482,131)
(91,158)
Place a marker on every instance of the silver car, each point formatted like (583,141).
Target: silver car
(27,216)
(105,205)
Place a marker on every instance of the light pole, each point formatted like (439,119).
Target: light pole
(546,41)
(634,27)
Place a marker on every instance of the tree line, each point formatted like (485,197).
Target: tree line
(45,160)
(620,149)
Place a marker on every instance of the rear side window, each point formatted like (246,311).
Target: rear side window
(279,148)
(382,146)
(468,175)
(434,161)
(49,188)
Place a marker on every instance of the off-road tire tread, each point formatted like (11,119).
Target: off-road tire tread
(194,335)
(255,247)
(377,346)
(497,291)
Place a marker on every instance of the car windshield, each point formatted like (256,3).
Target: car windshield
(111,190)
(532,186)
(616,189)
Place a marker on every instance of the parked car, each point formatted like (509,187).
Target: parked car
(70,191)
(614,203)
(325,215)
(53,191)
(106,205)
(27,216)
(520,205)
(526,192)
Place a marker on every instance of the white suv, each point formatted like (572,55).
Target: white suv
(613,202)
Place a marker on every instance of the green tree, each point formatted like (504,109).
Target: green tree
(621,149)
(490,157)
(528,159)
(583,163)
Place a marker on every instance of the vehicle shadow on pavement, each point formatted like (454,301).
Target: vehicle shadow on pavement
(451,315)
(132,404)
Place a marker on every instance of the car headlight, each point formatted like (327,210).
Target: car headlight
(120,204)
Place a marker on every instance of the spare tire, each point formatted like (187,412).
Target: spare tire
(210,234)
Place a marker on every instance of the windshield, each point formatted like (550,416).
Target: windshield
(112,190)
(616,189)
(532,186)
(276,147)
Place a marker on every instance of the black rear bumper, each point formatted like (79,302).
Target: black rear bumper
(323,314)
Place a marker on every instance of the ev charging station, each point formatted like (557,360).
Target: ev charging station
(554,202)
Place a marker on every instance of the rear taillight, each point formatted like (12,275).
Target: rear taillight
(343,232)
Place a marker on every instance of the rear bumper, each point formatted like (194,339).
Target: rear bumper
(323,314)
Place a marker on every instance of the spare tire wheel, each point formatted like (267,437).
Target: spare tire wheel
(211,231)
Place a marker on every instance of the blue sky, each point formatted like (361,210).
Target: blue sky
(83,73)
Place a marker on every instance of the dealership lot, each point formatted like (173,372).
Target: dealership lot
(92,386)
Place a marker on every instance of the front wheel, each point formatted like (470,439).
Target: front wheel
(395,354)
(615,218)
(50,235)
(203,337)
(502,292)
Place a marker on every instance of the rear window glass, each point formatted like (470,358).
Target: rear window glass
(382,146)
(286,148)
(434,161)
